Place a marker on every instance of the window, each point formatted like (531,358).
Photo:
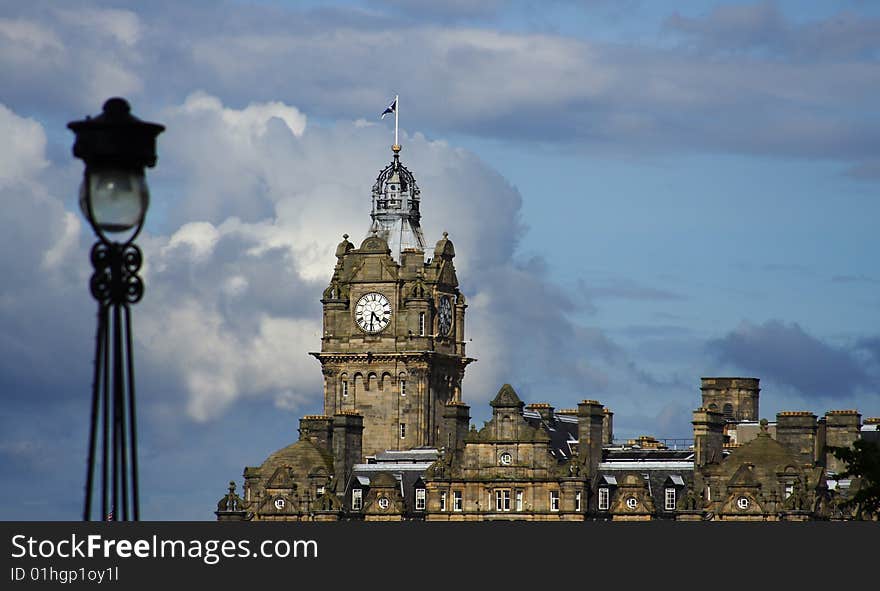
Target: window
(421,324)
(742,503)
(670,499)
(279,504)
(320,490)
(502,500)
(632,502)
(708,493)
(577,501)
(728,411)
(443,501)
(519,500)
(403,430)
(384,503)
(789,490)
(420,499)
(554,500)
(604,497)
(456,500)
(344,388)
(357,499)
(403,387)
(505,459)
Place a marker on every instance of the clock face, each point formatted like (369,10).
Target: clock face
(372,312)
(444,319)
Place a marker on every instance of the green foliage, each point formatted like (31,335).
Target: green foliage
(862,464)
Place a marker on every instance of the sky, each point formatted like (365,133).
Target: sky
(640,194)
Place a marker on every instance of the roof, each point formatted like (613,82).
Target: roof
(507,397)
(408,455)
(646,465)
(389,467)
(562,433)
(303,456)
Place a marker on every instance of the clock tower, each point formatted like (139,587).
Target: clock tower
(393,345)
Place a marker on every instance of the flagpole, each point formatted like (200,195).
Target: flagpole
(396,111)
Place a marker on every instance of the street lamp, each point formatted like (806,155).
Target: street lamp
(115,147)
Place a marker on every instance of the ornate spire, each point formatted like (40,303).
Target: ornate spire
(395,215)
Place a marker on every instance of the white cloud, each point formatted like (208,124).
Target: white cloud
(123,26)
(22,153)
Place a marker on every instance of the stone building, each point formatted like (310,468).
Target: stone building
(395,441)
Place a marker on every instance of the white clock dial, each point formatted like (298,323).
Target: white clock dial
(372,312)
(444,319)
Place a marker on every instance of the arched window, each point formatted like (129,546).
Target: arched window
(343,385)
(728,411)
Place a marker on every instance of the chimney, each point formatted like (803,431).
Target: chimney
(796,430)
(607,426)
(708,436)
(318,429)
(543,409)
(590,421)
(456,421)
(842,429)
(348,430)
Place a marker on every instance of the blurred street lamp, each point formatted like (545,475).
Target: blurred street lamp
(115,147)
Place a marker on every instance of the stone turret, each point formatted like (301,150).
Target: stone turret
(735,398)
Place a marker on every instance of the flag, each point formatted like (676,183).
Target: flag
(390,108)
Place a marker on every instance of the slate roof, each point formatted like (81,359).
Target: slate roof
(562,433)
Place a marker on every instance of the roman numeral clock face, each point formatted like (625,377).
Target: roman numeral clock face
(372,312)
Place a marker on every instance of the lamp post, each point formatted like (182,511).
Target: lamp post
(115,147)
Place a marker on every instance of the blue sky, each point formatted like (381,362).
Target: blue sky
(640,194)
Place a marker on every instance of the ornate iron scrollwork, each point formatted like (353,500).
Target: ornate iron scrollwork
(115,280)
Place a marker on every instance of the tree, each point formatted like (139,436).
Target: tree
(863,466)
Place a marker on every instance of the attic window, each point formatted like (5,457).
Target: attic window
(420,499)
(604,496)
(670,499)
(357,499)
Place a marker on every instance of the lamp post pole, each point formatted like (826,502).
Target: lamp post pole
(115,147)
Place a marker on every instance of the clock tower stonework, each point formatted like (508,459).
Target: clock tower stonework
(393,346)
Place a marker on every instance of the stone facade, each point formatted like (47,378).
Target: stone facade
(395,440)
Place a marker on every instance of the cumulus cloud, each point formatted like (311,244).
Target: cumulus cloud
(233,291)
(233,282)
(786,354)
(741,79)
